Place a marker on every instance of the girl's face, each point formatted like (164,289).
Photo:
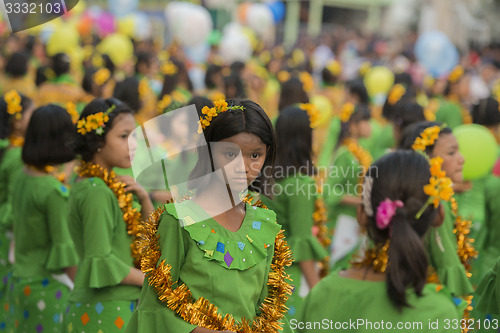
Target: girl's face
(361,129)
(115,152)
(446,147)
(242,157)
(179,127)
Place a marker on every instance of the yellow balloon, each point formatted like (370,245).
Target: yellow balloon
(126,26)
(324,107)
(119,47)
(64,39)
(378,80)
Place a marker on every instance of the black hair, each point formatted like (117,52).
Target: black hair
(361,113)
(449,84)
(211,71)
(41,75)
(237,67)
(486,112)
(170,82)
(328,78)
(143,57)
(292,92)
(357,87)
(17,64)
(127,91)
(414,131)
(87,145)
(406,114)
(294,142)
(233,86)
(49,137)
(252,120)
(392,111)
(402,175)
(6,118)
(60,64)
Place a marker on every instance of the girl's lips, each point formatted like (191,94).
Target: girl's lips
(239,180)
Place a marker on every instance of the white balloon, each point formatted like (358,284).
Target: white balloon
(188,23)
(235,48)
(260,18)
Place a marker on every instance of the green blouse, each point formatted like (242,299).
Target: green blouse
(43,243)
(294,208)
(341,300)
(441,244)
(230,269)
(10,166)
(488,291)
(103,245)
(342,179)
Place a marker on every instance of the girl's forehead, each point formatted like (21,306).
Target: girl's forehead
(245,140)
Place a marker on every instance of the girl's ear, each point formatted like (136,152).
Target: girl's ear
(361,216)
(438,220)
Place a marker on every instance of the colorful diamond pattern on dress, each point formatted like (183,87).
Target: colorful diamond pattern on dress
(58,294)
(39,328)
(119,322)
(27,290)
(99,308)
(228,259)
(220,247)
(56,318)
(26,314)
(45,282)
(85,318)
(241,246)
(256,225)
(132,306)
(41,305)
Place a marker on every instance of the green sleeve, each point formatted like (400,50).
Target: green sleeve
(337,179)
(62,252)
(12,165)
(330,143)
(303,244)
(152,315)
(102,266)
(488,292)
(442,250)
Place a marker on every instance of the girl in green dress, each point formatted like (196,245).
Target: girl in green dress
(44,265)
(341,190)
(15,113)
(294,198)
(214,261)
(103,222)
(442,242)
(387,290)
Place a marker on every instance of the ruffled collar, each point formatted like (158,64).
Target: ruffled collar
(241,249)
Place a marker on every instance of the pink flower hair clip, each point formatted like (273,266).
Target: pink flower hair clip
(386,211)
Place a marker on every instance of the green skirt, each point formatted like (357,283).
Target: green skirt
(100,317)
(37,305)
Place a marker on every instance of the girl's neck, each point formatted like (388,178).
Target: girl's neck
(363,274)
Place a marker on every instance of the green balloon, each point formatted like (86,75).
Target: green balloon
(479,148)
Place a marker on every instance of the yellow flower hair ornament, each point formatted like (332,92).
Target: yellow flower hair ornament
(73,112)
(210,113)
(334,67)
(283,76)
(347,111)
(169,68)
(456,74)
(307,81)
(396,93)
(312,112)
(427,138)
(439,188)
(13,100)
(94,122)
(101,76)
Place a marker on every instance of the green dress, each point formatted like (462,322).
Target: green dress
(10,166)
(294,209)
(441,245)
(43,248)
(99,301)
(337,300)
(380,140)
(229,269)
(342,179)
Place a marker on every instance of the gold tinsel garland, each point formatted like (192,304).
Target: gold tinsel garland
(376,258)
(363,156)
(465,249)
(319,221)
(131,216)
(201,312)
(16,141)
